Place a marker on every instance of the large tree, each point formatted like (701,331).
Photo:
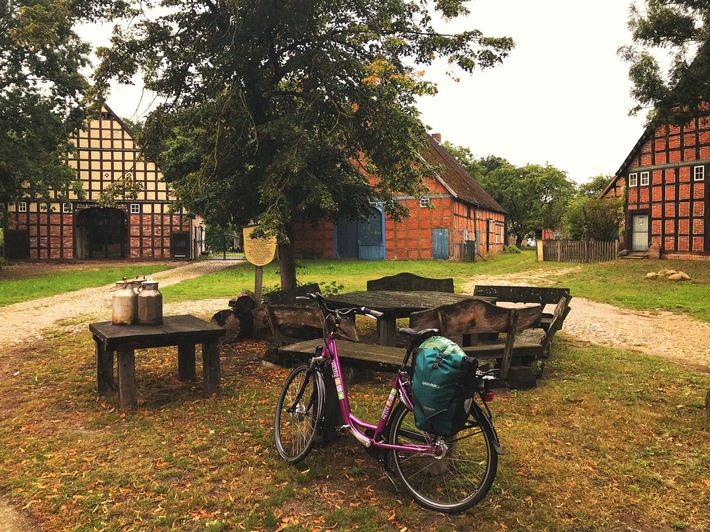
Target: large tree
(40,98)
(670,59)
(276,111)
(535,197)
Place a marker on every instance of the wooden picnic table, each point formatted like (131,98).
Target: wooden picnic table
(396,304)
(183,331)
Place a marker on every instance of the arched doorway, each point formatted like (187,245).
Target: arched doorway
(101,233)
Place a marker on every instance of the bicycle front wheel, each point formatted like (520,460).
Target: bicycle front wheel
(298,414)
(454,482)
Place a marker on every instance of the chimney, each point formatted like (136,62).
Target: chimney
(436,137)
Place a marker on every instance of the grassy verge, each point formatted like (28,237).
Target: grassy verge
(607,441)
(347,275)
(622,283)
(19,283)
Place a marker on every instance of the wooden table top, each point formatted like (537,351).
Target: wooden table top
(398,304)
(174,329)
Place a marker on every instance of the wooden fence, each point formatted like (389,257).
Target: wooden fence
(579,250)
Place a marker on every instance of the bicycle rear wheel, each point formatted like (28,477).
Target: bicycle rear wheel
(454,482)
(298,414)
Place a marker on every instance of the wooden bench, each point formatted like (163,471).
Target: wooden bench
(409,282)
(484,320)
(527,294)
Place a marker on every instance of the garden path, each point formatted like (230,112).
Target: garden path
(675,337)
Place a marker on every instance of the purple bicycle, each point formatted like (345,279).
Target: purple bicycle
(446,474)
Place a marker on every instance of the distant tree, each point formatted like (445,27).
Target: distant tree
(677,87)
(41,92)
(534,196)
(270,102)
(592,218)
(594,186)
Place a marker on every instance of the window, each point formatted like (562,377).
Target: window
(67,208)
(633,180)
(424,202)
(699,173)
(135,208)
(644,179)
(22,207)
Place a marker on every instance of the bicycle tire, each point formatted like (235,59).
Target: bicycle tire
(450,484)
(296,432)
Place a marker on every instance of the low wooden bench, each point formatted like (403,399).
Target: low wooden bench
(527,294)
(480,319)
(409,282)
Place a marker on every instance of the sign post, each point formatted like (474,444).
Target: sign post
(259,252)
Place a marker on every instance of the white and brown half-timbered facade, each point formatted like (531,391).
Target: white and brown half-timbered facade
(143,227)
(664,181)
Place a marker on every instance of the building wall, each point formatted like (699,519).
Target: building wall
(106,155)
(412,238)
(667,179)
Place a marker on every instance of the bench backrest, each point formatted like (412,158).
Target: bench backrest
(522,294)
(473,316)
(289,296)
(409,282)
(291,323)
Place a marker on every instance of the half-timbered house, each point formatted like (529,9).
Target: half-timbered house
(144,227)
(664,184)
(455,219)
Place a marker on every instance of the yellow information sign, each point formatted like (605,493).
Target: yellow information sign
(258,251)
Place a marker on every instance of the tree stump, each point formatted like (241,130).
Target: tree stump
(244,302)
(231,324)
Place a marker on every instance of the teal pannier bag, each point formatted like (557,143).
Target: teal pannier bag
(442,385)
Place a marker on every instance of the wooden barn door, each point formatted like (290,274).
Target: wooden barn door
(101,233)
(362,240)
(440,243)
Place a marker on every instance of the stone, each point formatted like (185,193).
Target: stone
(654,251)
(651,275)
(521,378)
(675,277)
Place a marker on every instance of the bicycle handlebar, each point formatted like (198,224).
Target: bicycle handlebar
(329,309)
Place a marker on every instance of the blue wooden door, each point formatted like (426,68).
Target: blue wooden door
(372,241)
(440,243)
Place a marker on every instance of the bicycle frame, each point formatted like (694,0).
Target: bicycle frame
(358,427)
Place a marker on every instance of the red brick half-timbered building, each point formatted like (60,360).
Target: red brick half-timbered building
(457,217)
(664,181)
(144,228)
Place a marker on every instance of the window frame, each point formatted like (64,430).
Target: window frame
(424,203)
(698,173)
(633,180)
(22,206)
(644,179)
(67,208)
(135,208)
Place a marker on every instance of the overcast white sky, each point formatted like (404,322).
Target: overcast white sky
(561,97)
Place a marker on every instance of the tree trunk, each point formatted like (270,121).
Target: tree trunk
(287,262)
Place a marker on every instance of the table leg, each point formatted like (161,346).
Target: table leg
(210,368)
(104,368)
(388,330)
(127,394)
(186,361)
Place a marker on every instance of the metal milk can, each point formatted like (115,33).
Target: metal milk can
(124,302)
(150,304)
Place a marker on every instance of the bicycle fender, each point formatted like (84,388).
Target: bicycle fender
(480,416)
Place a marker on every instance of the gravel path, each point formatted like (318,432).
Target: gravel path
(671,336)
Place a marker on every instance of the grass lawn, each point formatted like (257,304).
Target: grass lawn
(22,283)
(607,441)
